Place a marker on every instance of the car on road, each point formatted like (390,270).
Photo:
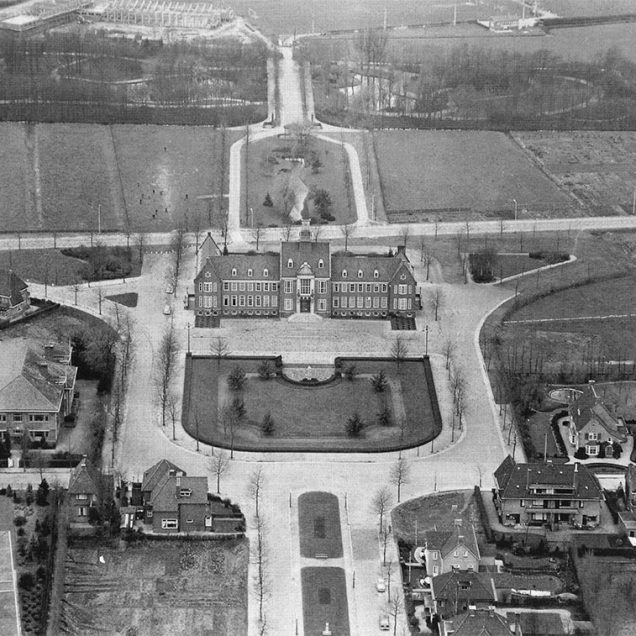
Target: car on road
(385,624)
(166,310)
(380,585)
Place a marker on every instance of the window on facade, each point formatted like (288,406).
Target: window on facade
(185,492)
(234,300)
(376,302)
(384,287)
(360,288)
(250,286)
(274,301)
(169,524)
(250,272)
(305,286)
(367,302)
(39,417)
(82,511)
(17,417)
(352,288)
(352,302)
(402,304)
(266,287)
(241,286)
(265,273)
(376,273)
(250,301)
(81,497)
(290,263)
(360,273)
(274,287)
(226,301)
(265,301)
(234,271)
(289,286)
(242,301)
(322,304)
(234,286)
(189,520)
(321,264)
(322,287)
(336,302)
(360,302)
(367,288)
(257,300)
(208,274)
(288,304)
(257,286)
(335,287)
(402,289)
(344,273)
(3,417)
(207,287)
(226,286)
(200,287)
(343,301)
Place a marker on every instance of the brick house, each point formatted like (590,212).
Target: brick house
(451,549)
(481,622)
(593,426)
(173,501)
(547,494)
(37,383)
(305,277)
(84,492)
(14,295)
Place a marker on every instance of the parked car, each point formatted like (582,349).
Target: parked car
(385,624)
(166,310)
(380,585)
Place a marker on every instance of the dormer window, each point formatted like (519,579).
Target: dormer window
(359,273)
(265,273)
(234,271)
(250,272)
(185,492)
(290,263)
(321,264)
(376,273)
(344,273)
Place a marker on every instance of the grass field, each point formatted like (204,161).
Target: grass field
(567,8)
(598,168)
(144,178)
(295,16)
(433,511)
(324,600)
(305,417)
(269,171)
(478,173)
(159,589)
(319,525)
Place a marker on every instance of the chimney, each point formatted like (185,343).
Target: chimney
(576,470)
(491,611)
(401,249)
(517,624)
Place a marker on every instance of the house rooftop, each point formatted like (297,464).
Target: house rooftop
(477,622)
(589,406)
(153,475)
(11,286)
(84,479)
(447,540)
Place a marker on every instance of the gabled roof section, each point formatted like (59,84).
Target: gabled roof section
(589,406)
(84,480)
(11,286)
(153,475)
(503,472)
(209,248)
(546,474)
(242,263)
(367,265)
(166,494)
(310,252)
(29,380)
(472,586)
(478,622)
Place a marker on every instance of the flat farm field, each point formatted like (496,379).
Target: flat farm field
(461,175)
(72,177)
(578,8)
(298,16)
(157,588)
(598,168)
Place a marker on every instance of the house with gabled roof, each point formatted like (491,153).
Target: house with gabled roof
(14,295)
(305,277)
(174,501)
(451,549)
(593,425)
(37,384)
(454,592)
(547,494)
(479,622)
(84,492)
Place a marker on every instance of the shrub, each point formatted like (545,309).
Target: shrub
(350,372)
(42,496)
(581,454)
(21,532)
(9,491)
(265,370)
(19,521)
(617,450)
(384,416)
(26,580)
(268,203)
(236,379)
(69,418)
(379,382)
(267,425)
(354,425)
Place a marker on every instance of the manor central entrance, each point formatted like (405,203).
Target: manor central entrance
(305,304)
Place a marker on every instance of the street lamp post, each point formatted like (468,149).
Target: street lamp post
(188,328)
(516,207)
(426,340)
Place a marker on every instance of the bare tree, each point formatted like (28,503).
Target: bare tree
(76,289)
(256,232)
(230,418)
(448,348)
(255,486)
(262,584)
(164,365)
(385,533)
(140,243)
(347,232)
(178,245)
(287,230)
(173,411)
(381,503)
(219,348)
(437,300)
(396,609)
(399,351)
(426,258)
(405,233)
(400,474)
(100,298)
(219,465)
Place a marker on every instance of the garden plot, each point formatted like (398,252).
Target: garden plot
(157,588)
(450,175)
(598,168)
